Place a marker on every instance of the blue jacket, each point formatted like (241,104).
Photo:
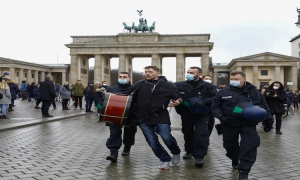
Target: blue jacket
(227,98)
(37,93)
(14,89)
(57,88)
(203,90)
(23,86)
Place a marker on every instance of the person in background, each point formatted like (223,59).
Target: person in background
(47,95)
(222,86)
(14,90)
(65,94)
(57,91)
(6,100)
(37,96)
(262,91)
(78,94)
(23,89)
(276,97)
(296,100)
(30,91)
(89,96)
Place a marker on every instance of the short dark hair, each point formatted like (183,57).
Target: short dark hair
(153,67)
(103,81)
(205,76)
(196,67)
(78,80)
(238,72)
(126,73)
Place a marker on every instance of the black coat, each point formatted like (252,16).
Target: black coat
(227,98)
(276,105)
(153,110)
(47,90)
(203,90)
(119,89)
(14,89)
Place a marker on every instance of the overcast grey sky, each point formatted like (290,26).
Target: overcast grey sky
(36,30)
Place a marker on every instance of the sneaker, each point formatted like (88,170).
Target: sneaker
(176,159)
(164,166)
(278,132)
(199,161)
(126,151)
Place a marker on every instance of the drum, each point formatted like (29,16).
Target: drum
(116,108)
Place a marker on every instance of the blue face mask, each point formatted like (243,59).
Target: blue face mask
(189,77)
(235,83)
(122,81)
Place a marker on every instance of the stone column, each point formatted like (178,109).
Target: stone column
(12,73)
(79,59)
(125,63)
(63,78)
(42,76)
(73,69)
(239,68)
(98,68)
(277,73)
(36,76)
(255,76)
(157,61)
(205,63)
(294,78)
(215,78)
(29,76)
(180,67)
(20,76)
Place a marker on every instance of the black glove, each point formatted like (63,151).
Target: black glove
(199,104)
(268,127)
(223,120)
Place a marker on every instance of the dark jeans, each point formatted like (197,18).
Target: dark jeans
(45,107)
(38,101)
(64,103)
(115,139)
(88,103)
(278,120)
(296,105)
(78,98)
(245,151)
(164,130)
(211,123)
(195,134)
(12,101)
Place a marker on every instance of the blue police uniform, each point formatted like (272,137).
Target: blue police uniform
(195,127)
(222,107)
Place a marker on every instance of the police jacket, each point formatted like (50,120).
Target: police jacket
(119,89)
(153,98)
(203,90)
(227,98)
(276,105)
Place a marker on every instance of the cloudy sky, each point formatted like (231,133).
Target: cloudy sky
(36,30)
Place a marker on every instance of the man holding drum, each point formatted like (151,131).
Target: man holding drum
(152,97)
(114,141)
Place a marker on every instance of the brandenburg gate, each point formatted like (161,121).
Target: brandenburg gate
(126,46)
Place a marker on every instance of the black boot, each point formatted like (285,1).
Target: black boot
(199,161)
(4,117)
(10,108)
(113,157)
(243,177)
(126,151)
(187,155)
(235,164)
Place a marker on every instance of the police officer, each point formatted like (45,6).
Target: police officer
(114,141)
(195,126)
(211,123)
(243,154)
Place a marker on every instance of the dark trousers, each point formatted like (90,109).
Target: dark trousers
(115,139)
(64,103)
(78,98)
(45,107)
(211,123)
(278,120)
(53,103)
(88,103)
(296,105)
(38,101)
(245,151)
(12,101)
(195,134)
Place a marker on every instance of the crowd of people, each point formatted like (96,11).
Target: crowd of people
(196,100)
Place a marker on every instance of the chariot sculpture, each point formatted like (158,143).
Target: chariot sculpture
(143,26)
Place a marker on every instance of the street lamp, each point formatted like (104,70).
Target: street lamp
(298,23)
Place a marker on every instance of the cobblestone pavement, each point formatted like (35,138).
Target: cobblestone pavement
(75,149)
(24,111)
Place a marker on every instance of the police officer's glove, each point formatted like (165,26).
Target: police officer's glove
(268,127)
(199,104)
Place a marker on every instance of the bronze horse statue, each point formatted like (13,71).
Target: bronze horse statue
(152,28)
(128,28)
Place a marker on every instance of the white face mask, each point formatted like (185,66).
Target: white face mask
(209,81)
(275,87)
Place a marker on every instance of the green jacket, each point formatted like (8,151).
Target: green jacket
(77,90)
